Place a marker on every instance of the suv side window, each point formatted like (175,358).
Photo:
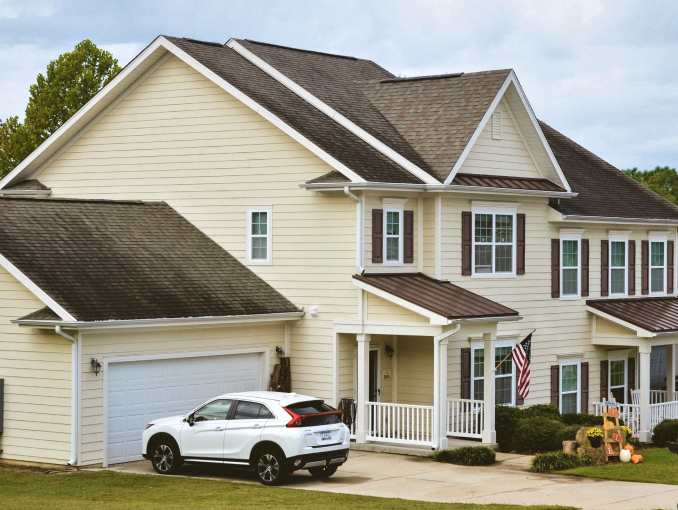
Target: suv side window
(217,410)
(251,411)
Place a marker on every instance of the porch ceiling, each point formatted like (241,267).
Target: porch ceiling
(436,299)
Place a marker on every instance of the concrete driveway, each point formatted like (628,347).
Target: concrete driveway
(416,478)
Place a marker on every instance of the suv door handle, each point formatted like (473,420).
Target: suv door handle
(219,429)
(257,425)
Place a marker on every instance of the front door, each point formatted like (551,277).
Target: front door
(374,390)
(205,438)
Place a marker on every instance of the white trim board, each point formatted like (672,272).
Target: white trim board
(82,119)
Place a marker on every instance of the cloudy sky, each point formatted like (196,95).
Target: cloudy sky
(604,73)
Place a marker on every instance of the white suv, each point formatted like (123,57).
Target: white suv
(273,433)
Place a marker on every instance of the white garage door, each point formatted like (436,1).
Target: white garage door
(141,391)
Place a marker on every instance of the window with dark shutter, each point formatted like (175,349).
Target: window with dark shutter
(520,247)
(466,243)
(670,254)
(604,267)
(377,236)
(519,399)
(466,373)
(644,267)
(603,380)
(584,387)
(632,268)
(555,385)
(631,376)
(555,268)
(584,267)
(408,239)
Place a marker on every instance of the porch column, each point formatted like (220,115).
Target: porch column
(489,432)
(440,392)
(671,353)
(363,387)
(644,366)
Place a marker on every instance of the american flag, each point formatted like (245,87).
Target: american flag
(521,355)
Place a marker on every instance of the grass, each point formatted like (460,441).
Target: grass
(659,466)
(23,489)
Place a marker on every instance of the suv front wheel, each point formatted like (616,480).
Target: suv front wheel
(270,467)
(165,456)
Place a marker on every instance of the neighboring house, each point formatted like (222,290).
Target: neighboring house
(214,202)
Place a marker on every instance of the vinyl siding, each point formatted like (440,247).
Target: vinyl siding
(36,367)
(105,346)
(179,138)
(380,310)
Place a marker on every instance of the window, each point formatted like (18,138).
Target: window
(618,379)
(493,243)
(217,410)
(259,235)
(570,267)
(618,267)
(393,240)
(503,378)
(251,411)
(658,267)
(569,388)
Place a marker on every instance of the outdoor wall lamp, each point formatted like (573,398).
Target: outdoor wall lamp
(390,351)
(279,351)
(96,366)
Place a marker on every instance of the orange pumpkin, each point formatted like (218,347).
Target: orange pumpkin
(609,449)
(614,412)
(636,459)
(608,425)
(616,437)
(630,447)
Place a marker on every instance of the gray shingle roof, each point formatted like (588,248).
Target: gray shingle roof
(104,260)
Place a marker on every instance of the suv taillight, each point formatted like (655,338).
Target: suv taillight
(296,420)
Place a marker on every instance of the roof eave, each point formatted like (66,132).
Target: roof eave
(606,219)
(25,192)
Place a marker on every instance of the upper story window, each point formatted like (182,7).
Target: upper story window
(658,266)
(494,243)
(259,235)
(570,267)
(393,238)
(618,266)
(392,233)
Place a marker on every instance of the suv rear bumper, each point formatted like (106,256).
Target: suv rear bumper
(336,457)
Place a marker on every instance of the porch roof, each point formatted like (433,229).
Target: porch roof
(440,297)
(653,314)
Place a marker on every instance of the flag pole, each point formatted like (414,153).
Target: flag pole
(506,357)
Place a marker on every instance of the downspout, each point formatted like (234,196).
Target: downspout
(436,382)
(359,230)
(75,401)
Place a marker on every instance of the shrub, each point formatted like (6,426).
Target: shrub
(554,461)
(582,419)
(537,435)
(467,456)
(664,432)
(543,411)
(569,433)
(506,420)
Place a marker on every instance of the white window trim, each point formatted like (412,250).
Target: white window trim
(618,237)
(494,210)
(560,384)
(622,355)
(394,205)
(479,346)
(269,236)
(571,235)
(657,238)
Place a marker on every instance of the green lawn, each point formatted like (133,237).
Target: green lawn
(26,490)
(658,466)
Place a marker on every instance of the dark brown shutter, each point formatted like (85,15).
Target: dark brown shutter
(584,387)
(631,377)
(584,267)
(604,268)
(466,373)
(669,267)
(603,380)
(555,385)
(632,268)
(519,399)
(520,248)
(466,242)
(377,236)
(644,267)
(408,239)
(555,268)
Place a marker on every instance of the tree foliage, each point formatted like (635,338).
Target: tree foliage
(68,83)
(661,180)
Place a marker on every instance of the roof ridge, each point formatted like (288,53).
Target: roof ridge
(209,43)
(75,199)
(303,50)
(439,76)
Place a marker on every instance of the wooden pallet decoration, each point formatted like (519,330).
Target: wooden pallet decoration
(612,432)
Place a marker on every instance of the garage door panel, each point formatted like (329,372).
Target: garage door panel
(141,391)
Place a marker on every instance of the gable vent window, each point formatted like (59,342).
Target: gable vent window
(496,125)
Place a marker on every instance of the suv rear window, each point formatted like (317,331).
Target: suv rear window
(310,407)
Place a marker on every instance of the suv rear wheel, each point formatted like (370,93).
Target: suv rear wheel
(323,472)
(270,467)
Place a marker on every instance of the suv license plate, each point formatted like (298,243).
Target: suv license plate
(325,436)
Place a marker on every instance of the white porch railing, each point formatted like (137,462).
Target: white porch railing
(400,423)
(465,417)
(656,396)
(661,412)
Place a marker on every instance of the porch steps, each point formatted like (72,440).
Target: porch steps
(414,451)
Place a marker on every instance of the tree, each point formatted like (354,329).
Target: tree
(69,82)
(661,180)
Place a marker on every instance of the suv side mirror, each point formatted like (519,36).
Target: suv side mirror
(190,420)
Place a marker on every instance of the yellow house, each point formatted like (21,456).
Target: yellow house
(217,206)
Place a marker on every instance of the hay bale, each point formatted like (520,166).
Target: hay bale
(585,448)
